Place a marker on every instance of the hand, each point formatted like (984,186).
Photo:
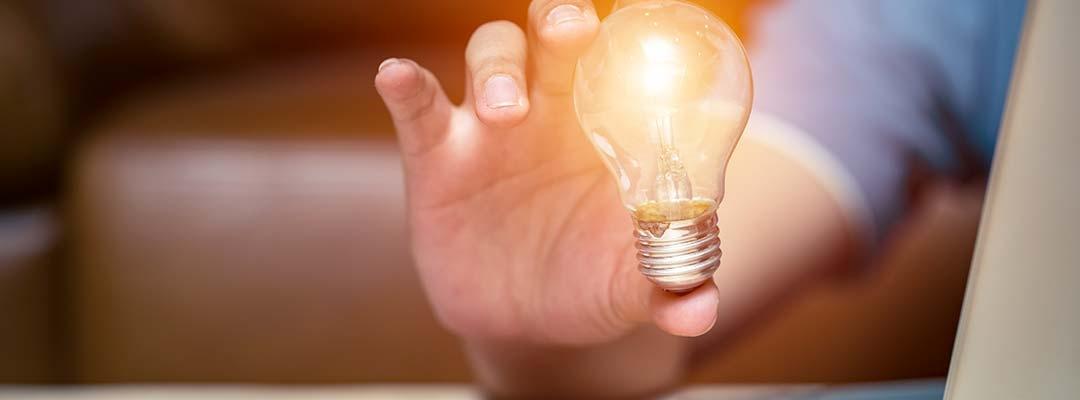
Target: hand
(517,229)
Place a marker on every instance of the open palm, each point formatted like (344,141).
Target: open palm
(517,229)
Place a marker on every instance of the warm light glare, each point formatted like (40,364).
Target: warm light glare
(663,93)
(658,50)
(662,70)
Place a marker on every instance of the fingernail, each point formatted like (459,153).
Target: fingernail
(387,63)
(500,91)
(565,13)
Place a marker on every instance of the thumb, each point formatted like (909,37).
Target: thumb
(417,104)
(636,299)
(689,314)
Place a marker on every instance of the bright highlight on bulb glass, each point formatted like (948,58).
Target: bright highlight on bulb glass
(664,93)
(662,69)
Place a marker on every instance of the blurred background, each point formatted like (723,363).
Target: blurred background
(209,191)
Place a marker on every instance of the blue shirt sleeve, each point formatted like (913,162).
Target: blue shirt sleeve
(885,86)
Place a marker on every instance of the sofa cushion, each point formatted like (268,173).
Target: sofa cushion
(30,336)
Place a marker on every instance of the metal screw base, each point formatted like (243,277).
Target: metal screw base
(678,256)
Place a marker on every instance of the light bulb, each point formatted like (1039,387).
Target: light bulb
(663,94)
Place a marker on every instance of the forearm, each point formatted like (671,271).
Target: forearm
(781,228)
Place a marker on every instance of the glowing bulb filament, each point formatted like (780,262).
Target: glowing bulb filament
(672,181)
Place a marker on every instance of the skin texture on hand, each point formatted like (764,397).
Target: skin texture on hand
(517,228)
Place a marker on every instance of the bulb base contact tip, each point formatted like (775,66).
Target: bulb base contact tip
(678,256)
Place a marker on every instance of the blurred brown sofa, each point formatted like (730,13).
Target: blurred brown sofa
(222,201)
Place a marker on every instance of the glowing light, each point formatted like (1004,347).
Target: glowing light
(664,92)
(658,50)
(662,70)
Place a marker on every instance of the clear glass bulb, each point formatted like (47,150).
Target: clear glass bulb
(663,94)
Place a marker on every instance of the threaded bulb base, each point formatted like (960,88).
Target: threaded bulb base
(678,256)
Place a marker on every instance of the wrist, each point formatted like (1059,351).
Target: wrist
(644,362)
